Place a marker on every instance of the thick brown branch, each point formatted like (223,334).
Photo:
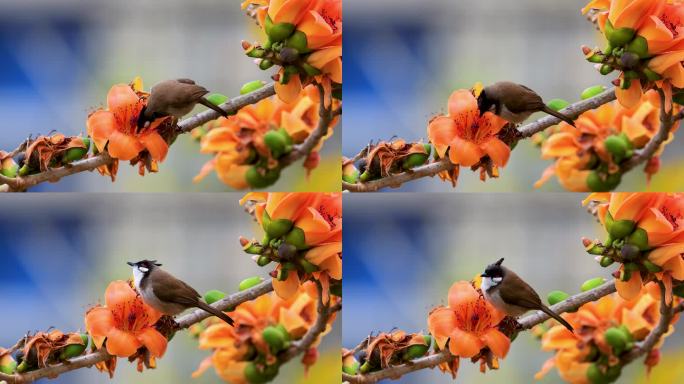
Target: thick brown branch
(89,164)
(525,131)
(526,322)
(93,358)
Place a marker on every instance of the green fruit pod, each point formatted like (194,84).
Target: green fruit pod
(274,338)
(592,283)
(556,297)
(594,374)
(256,180)
(213,296)
(616,146)
(275,142)
(251,87)
(616,338)
(9,367)
(249,282)
(10,171)
(253,375)
(415,351)
(351,368)
(415,159)
(73,350)
(606,69)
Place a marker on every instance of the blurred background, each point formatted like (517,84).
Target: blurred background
(60,251)
(58,59)
(403,252)
(404,58)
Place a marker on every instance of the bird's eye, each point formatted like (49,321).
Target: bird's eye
(143,269)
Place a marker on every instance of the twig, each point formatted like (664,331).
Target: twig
(444,356)
(525,131)
(89,164)
(100,355)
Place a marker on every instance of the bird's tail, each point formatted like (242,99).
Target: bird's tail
(204,306)
(209,104)
(556,316)
(559,115)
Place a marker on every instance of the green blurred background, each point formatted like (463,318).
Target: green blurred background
(60,251)
(404,58)
(58,59)
(403,251)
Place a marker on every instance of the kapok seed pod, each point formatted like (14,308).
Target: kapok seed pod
(606,261)
(615,338)
(279,227)
(265,64)
(10,171)
(275,142)
(596,183)
(592,283)
(415,351)
(9,367)
(251,86)
(249,282)
(594,374)
(616,146)
(284,332)
(253,375)
(606,69)
(630,252)
(280,31)
(256,180)
(557,104)
(590,92)
(555,297)
(622,228)
(217,98)
(298,41)
(638,46)
(263,260)
(351,368)
(651,267)
(415,159)
(213,296)
(274,338)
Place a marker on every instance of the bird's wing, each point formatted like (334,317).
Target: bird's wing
(177,292)
(186,81)
(518,292)
(526,100)
(191,95)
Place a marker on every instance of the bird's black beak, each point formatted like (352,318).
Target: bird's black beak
(130,263)
(484,275)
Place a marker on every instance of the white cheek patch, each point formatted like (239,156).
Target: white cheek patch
(497,280)
(143,269)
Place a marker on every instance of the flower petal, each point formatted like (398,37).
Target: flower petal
(100,126)
(461,294)
(119,297)
(628,290)
(99,321)
(464,152)
(289,92)
(153,341)
(464,344)
(629,98)
(441,131)
(288,288)
(496,341)
(123,146)
(121,343)
(441,321)
(497,150)
(155,144)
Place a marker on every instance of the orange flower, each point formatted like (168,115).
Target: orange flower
(649,31)
(116,128)
(582,160)
(468,323)
(467,135)
(310,222)
(236,348)
(126,322)
(587,353)
(308,29)
(238,141)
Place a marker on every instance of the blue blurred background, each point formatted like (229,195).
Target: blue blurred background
(403,252)
(60,251)
(404,58)
(58,59)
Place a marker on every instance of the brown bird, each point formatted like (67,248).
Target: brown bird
(167,294)
(511,295)
(175,98)
(514,102)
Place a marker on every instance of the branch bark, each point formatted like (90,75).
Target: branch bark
(525,131)
(93,358)
(444,356)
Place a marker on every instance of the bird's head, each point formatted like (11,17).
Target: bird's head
(143,267)
(494,272)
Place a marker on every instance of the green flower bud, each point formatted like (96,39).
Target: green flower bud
(275,142)
(251,87)
(365,176)
(263,260)
(592,283)
(256,180)
(23,366)
(652,75)
(254,249)
(631,75)
(638,46)
(279,227)
(9,367)
(366,367)
(213,296)
(256,52)
(590,92)
(73,154)
(282,274)
(597,249)
(11,170)
(311,70)
(415,159)
(625,83)
(555,297)
(265,64)
(616,146)
(336,290)
(613,373)
(217,98)
(428,148)
(651,267)
(625,274)
(630,252)
(249,282)
(337,94)
(351,368)
(678,98)
(288,55)
(415,351)
(557,104)
(297,238)
(274,338)
(622,228)
(281,31)
(73,350)
(606,261)
(598,184)
(606,69)
(594,374)
(596,58)
(350,173)
(632,267)
(298,41)
(307,266)
(620,36)
(678,290)
(615,338)
(254,375)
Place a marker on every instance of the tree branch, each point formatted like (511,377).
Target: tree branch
(444,356)
(526,131)
(100,355)
(231,106)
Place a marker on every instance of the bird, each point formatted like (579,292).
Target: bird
(511,294)
(167,294)
(514,102)
(175,98)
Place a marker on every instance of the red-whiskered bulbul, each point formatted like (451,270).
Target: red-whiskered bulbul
(167,294)
(175,98)
(511,294)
